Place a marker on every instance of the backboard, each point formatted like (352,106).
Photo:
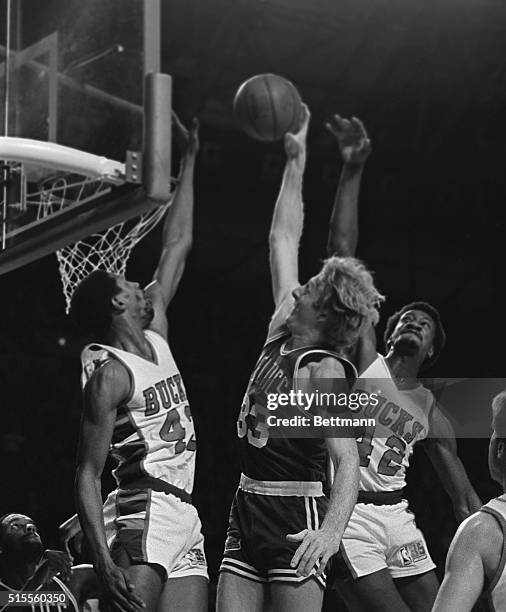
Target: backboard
(73,75)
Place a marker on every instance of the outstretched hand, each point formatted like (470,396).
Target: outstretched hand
(352,138)
(295,143)
(314,551)
(187,140)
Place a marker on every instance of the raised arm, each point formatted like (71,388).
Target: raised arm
(320,545)
(287,220)
(441,448)
(177,228)
(355,148)
(108,387)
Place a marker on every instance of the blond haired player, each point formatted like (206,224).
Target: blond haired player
(282,528)
(475,565)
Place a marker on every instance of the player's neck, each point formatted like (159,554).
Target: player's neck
(130,338)
(404,369)
(302,338)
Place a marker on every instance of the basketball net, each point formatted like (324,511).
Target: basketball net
(107,250)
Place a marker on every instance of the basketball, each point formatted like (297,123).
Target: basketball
(267,106)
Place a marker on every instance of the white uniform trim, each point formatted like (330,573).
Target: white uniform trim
(282,488)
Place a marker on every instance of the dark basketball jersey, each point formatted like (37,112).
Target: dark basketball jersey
(266,457)
(53,604)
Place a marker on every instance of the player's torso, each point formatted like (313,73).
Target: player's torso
(265,457)
(154,433)
(401,420)
(496,591)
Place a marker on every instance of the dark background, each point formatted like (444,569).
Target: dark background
(429,81)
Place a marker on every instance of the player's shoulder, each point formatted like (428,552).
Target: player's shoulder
(110,374)
(328,366)
(478,531)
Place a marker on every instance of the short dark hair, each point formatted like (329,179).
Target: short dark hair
(90,306)
(2,519)
(439,334)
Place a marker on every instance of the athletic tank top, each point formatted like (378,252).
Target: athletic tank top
(276,459)
(496,592)
(153,434)
(402,419)
(55,585)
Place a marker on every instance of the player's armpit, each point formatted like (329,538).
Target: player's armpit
(278,320)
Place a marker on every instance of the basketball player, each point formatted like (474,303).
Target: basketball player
(25,566)
(387,566)
(477,556)
(146,542)
(282,529)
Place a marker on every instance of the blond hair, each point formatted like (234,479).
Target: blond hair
(348,292)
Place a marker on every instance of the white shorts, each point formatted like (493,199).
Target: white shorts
(379,537)
(155,527)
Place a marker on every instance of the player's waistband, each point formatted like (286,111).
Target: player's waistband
(155,484)
(282,488)
(381,498)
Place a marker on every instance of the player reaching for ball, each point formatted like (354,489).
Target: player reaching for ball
(475,566)
(387,566)
(146,542)
(282,529)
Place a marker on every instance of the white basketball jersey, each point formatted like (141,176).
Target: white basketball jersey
(153,434)
(401,417)
(496,592)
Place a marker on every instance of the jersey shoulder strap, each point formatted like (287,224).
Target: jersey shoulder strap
(317,355)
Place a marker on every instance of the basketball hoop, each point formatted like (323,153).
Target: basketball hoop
(52,181)
(108,250)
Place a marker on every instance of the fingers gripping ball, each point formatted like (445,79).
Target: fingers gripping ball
(267,106)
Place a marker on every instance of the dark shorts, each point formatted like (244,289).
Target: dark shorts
(256,547)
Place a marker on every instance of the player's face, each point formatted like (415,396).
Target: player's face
(20,535)
(136,302)
(413,334)
(304,313)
